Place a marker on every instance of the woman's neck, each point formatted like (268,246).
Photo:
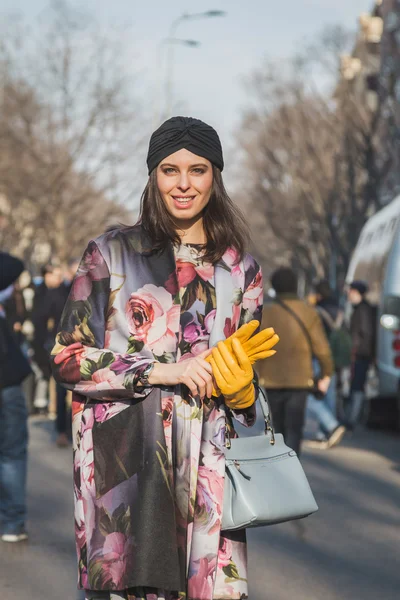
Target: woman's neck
(192,233)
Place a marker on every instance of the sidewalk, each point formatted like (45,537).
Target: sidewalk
(44,568)
(349,550)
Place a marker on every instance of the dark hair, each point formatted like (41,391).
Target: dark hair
(49,268)
(224,223)
(323,288)
(284,281)
(360,286)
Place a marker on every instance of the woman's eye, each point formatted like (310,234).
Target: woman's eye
(169,170)
(198,170)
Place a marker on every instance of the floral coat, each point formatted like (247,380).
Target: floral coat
(148,462)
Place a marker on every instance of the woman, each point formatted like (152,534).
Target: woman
(145,306)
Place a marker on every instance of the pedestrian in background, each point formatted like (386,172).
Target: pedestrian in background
(288,376)
(363,339)
(63,418)
(147,303)
(14,368)
(47,307)
(331,431)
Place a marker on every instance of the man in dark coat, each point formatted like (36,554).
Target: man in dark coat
(14,367)
(363,337)
(48,304)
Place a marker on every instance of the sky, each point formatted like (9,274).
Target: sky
(208,81)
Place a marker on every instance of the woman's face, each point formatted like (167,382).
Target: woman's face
(185,182)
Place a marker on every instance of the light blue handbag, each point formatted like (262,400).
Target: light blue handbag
(264,480)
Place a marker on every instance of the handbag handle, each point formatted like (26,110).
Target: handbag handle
(269,427)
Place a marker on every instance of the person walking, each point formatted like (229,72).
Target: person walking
(363,338)
(14,368)
(331,431)
(288,377)
(47,307)
(146,306)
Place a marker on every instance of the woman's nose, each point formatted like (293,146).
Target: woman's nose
(184,183)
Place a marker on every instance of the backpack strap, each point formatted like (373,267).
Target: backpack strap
(325,316)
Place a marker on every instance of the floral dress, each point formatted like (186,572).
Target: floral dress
(149,463)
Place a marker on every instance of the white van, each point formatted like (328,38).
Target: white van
(376,260)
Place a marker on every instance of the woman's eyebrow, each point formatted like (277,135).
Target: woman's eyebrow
(190,166)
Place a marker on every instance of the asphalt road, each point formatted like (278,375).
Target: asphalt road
(349,550)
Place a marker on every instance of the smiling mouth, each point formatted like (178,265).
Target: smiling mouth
(183,199)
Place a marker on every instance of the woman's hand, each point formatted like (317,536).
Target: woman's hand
(195,373)
(234,375)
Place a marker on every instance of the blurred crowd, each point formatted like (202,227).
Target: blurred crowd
(319,342)
(32,308)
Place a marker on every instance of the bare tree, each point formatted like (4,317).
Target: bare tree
(310,165)
(70,129)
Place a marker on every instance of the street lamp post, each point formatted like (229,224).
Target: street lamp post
(170,42)
(171,46)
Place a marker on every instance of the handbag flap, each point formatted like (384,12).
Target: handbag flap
(258,447)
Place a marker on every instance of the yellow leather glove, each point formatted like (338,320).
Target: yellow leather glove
(257,347)
(233,374)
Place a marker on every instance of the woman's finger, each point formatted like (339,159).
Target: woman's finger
(222,366)
(267,345)
(204,363)
(219,379)
(188,381)
(229,359)
(205,354)
(261,355)
(261,338)
(207,378)
(200,383)
(242,358)
(245,331)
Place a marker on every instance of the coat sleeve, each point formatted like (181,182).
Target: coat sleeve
(252,306)
(320,346)
(79,360)
(363,335)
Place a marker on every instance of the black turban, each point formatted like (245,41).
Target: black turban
(185,132)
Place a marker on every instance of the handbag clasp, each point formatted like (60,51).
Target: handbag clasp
(270,429)
(227,437)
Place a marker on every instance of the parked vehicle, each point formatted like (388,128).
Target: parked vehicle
(376,260)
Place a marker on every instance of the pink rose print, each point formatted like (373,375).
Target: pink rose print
(92,268)
(201,584)
(87,462)
(80,532)
(153,318)
(225,552)
(167,405)
(253,296)
(210,490)
(229,328)
(106,410)
(117,552)
(185,271)
(205,271)
(209,320)
(103,379)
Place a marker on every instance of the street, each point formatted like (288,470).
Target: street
(349,550)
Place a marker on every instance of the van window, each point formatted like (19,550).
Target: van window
(391,306)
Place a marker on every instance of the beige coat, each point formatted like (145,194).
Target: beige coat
(291,367)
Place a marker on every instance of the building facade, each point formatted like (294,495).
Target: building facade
(389,105)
